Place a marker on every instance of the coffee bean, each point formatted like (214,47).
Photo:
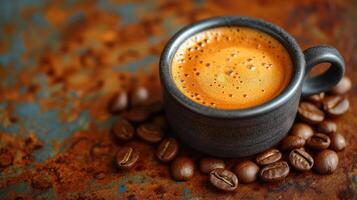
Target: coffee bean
(268,157)
(318,141)
(150,132)
(301,160)
(119,102)
(182,169)
(123,130)
(137,115)
(209,164)
(338,142)
(275,171)
(316,99)
(126,157)
(326,161)
(246,171)
(327,127)
(167,150)
(291,142)
(223,179)
(342,87)
(302,130)
(309,113)
(335,105)
(139,96)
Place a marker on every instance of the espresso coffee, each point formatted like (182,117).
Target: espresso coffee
(231,67)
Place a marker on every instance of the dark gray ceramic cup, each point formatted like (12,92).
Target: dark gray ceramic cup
(244,132)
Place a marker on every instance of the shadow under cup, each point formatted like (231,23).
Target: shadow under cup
(244,132)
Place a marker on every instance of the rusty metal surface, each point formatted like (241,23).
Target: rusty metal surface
(61,61)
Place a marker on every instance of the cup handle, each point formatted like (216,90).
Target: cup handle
(323,82)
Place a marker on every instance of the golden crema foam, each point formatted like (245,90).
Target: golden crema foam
(231,67)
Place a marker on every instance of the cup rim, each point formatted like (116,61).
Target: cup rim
(278,33)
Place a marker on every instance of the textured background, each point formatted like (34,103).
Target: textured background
(61,61)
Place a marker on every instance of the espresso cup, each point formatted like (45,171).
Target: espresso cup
(244,132)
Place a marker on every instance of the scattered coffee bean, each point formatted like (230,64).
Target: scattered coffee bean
(275,171)
(309,113)
(318,141)
(150,132)
(301,160)
(302,130)
(136,115)
(268,157)
(327,127)
(335,105)
(326,162)
(126,157)
(118,103)
(338,142)
(223,179)
(139,96)
(167,150)
(246,171)
(209,164)
(316,99)
(6,159)
(182,168)
(342,87)
(123,130)
(291,142)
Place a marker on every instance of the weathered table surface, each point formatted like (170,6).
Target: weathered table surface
(60,62)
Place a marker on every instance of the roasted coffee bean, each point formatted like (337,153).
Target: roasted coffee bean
(150,132)
(292,142)
(326,161)
(137,115)
(335,105)
(327,126)
(342,87)
(302,130)
(268,157)
(182,168)
(318,141)
(301,160)
(126,157)
(223,179)
(119,102)
(209,164)
(167,150)
(123,130)
(246,171)
(316,99)
(309,113)
(139,96)
(338,142)
(275,171)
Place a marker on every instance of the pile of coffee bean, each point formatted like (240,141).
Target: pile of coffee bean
(311,144)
